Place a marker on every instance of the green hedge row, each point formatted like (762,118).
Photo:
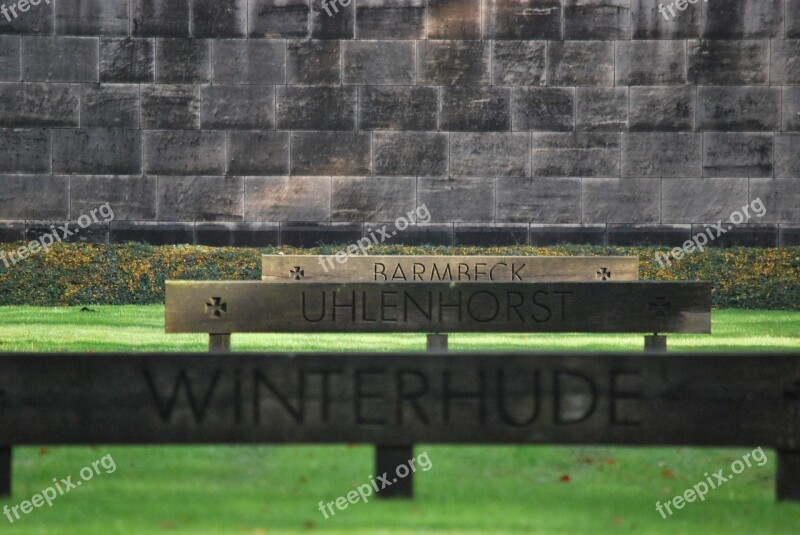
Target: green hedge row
(76,274)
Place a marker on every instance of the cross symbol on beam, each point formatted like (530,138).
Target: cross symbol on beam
(604,274)
(215,308)
(297,273)
(792,397)
(660,306)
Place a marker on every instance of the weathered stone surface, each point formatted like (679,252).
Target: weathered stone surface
(97,151)
(9,58)
(602,108)
(377,62)
(110,106)
(454,19)
(12,231)
(184,152)
(575,154)
(628,235)
(728,62)
(738,108)
(500,154)
(258,153)
(160,18)
(34,197)
(313,62)
(792,23)
(539,200)
(337,22)
(127,60)
(92,17)
(330,153)
(249,62)
(791,108)
(39,104)
(204,198)
(156,233)
(410,154)
(427,234)
(626,200)
(649,23)
(781,199)
(398,108)
(746,19)
(183,61)
(372,198)
(733,154)
(546,235)
(59,59)
(580,63)
(784,61)
(238,234)
(453,62)
(40,20)
(745,235)
(499,234)
(219,18)
(787,155)
(661,154)
(278,18)
(308,234)
(238,107)
(464,200)
(294,198)
(390,19)
(702,200)
(170,107)
(518,63)
(522,19)
(25,150)
(597,19)
(130,197)
(475,109)
(651,63)
(316,108)
(543,109)
(662,108)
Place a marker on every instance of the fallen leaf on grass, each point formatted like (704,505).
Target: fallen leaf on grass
(666,473)
(565,478)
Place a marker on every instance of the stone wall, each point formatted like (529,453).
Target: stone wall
(258,122)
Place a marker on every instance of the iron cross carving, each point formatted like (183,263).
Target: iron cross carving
(297,273)
(604,274)
(659,306)
(216,308)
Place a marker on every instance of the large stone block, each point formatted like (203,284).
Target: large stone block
(791,108)
(544,235)
(258,153)
(97,151)
(742,19)
(310,234)
(378,62)
(170,107)
(397,108)
(738,108)
(39,104)
(92,17)
(372,198)
(24,151)
(784,61)
(238,234)
(219,18)
(626,200)
(734,154)
(297,198)
(160,18)
(628,235)
(781,199)
(390,19)
(661,154)
(9,58)
(238,107)
(575,154)
(463,200)
(127,60)
(313,62)
(543,109)
(522,19)
(316,108)
(39,20)
(249,62)
(130,197)
(519,63)
(728,62)
(330,153)
(597,19)
(59,59)
(453,62)
(410,154)
(34,197)
(200,198)
(109,106)
(602,108)
(792,24)
(651,23)
(332,20)
(152,232)
(475,109)
(695,200)
(580,63)
(454,19)
(651,63)
(662,108)
(502,234)
(183,61)
(12,231)
(500,154)
(787,155)
(278,18)
(539,200)
(184,152)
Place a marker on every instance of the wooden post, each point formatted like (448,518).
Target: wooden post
(655,343)
(787,480)
(219,343)
(5,471)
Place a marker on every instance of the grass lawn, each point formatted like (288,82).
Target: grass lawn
(508,489)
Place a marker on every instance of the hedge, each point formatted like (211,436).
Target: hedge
(80,274)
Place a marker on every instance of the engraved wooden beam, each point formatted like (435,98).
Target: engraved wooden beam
(449,268)
(620,307)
